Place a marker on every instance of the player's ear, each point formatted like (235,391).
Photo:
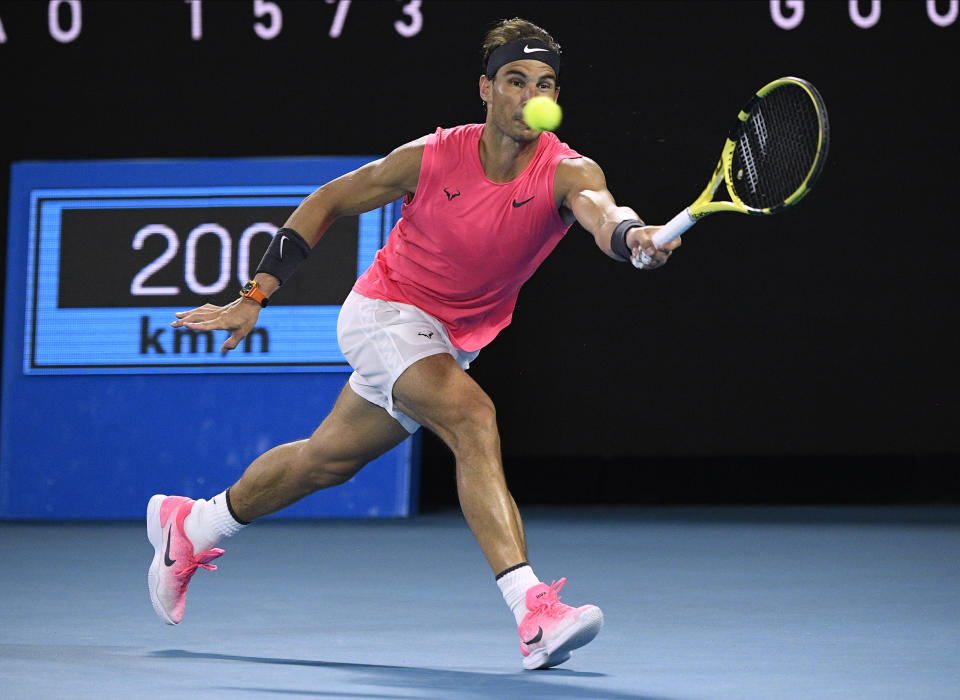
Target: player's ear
(486,86)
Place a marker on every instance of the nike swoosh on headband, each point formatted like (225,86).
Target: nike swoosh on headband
(527,49)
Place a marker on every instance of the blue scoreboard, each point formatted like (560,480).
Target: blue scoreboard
(104,403)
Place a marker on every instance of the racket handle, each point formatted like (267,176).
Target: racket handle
(674,228)
(671,230)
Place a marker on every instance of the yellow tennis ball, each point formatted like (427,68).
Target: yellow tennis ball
(542,113)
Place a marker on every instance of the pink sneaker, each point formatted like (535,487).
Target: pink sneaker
(174,562)
(551,630)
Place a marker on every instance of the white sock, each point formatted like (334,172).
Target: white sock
(209,522)
(514,585)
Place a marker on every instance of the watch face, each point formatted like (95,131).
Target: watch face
(248,291)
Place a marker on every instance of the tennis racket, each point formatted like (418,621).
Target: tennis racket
(772,157)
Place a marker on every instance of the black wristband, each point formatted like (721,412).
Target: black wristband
(284,255)
(618,239)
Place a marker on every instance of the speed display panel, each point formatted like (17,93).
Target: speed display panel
(107,268)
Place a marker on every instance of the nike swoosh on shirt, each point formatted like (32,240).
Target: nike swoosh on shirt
(527,49)
(520,204)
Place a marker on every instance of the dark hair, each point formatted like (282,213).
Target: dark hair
(507,30)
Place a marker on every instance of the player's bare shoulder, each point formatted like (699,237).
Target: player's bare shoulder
(575,175)
(401,167)
(376,183)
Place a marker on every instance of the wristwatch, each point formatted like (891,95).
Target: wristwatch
(251,290)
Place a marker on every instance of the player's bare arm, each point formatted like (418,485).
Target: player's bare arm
(362,190)
(580,186)
(366,188)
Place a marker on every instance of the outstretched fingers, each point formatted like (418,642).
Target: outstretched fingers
(206,312)
(236,317)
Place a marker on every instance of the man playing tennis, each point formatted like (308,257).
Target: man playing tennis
(484,204)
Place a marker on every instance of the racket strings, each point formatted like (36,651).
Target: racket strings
(777,147)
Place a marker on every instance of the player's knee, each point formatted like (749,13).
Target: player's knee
(473,423)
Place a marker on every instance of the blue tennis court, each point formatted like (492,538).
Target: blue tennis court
(703,603)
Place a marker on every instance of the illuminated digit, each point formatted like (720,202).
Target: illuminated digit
(264,7)
(137,287)
(412,10)
(791,22)
(343,6)
(190,264)
(64,36)
(196,19)
(3,34)
(243,248)
(935,17)
(860,20)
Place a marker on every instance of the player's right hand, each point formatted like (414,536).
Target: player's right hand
(239,317)
(640,242)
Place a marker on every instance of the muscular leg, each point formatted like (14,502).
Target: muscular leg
(438,394)
(355,432)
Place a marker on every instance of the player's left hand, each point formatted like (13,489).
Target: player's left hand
(640,240)
(239,317)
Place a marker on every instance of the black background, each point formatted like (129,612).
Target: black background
(806,357)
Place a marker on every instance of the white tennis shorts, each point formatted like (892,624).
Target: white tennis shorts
(380,339)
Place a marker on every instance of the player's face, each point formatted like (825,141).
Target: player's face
(514,84)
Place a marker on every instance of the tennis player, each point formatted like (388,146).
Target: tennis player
(483,205)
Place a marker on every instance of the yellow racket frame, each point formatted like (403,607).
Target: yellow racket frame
(704,205)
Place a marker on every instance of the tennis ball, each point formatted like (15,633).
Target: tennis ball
(542,113)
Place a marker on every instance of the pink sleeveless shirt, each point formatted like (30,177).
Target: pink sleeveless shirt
(464,245)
